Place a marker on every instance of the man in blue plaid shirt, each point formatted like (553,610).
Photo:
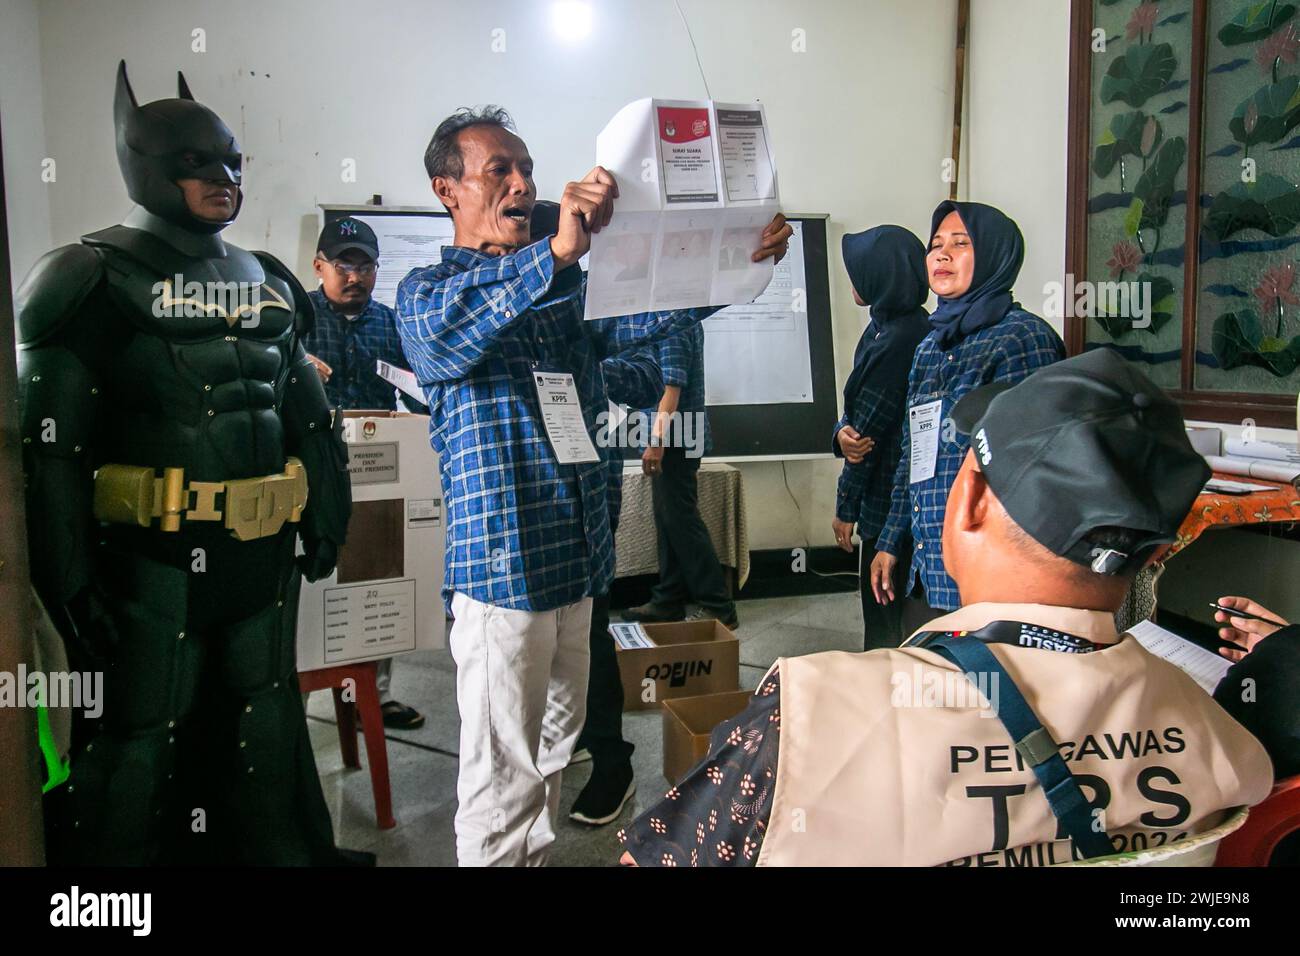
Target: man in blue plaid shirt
(352,333)
(528,539)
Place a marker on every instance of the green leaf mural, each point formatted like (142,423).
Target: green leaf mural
(1162,302)
(1139,74)
(1271,205)
(1155,188)
(1276,111)
(1127,135)
(1238,339)
(1256,22)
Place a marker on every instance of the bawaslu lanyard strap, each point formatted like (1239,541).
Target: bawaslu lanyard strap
(1033,741)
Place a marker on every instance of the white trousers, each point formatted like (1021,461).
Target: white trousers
(521,686)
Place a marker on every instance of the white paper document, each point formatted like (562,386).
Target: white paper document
(406,241)
(757,353)
(374,618)
(401,378)
(1266,450)
(630,636)
(562,415)
(746,159)
(923,425)
(1202,666)
(697,185)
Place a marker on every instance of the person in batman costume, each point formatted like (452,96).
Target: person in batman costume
(176,444)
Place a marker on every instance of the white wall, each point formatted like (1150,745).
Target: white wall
(1016,129)
(27,199)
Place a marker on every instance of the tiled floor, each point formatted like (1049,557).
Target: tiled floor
(422,763)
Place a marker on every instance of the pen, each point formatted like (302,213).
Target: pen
(1232,612)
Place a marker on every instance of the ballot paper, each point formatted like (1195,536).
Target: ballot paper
(630,636)
(562,416)
(1202,666)
(923,422)
(697,185)
(401,378)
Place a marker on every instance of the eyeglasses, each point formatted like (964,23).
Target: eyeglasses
(356,268)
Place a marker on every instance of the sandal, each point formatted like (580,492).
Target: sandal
(398,716)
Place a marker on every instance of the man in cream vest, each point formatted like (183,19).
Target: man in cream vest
(1077,477)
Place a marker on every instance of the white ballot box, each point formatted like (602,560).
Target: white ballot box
(696,186)
(384,597)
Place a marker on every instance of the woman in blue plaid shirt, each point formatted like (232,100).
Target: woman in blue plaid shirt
(980,335)
(887,268)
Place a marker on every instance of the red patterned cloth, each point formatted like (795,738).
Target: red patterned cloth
(1280,504)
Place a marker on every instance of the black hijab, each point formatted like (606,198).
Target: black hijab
(999,254)
(887,268)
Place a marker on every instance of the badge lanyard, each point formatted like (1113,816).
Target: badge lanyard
(1032,740)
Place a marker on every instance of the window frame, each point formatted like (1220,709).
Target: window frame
(1277,411)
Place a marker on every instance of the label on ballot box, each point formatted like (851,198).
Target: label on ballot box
(384,596)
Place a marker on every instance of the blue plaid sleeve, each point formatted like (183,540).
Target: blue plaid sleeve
(616,335)
(836,450)
(879,411)
(675,360)
(451,323)
(633,379)
(899,522)
(1018,356)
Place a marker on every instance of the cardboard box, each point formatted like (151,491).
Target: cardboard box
(688,723)
(384,597)
(688,659)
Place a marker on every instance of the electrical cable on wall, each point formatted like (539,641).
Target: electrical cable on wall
(694,49)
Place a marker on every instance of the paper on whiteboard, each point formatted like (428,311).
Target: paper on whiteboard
(406,241)
(404,380)
(697,185)
(1200,665)
(757,353)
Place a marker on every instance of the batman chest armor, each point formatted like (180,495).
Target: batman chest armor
(199,377)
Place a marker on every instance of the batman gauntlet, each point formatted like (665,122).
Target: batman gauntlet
(319,444)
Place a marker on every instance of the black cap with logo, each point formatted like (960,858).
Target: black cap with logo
(347,233)
(1087,443)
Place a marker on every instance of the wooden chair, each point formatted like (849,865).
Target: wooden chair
(1198,850)
(363,678)
(1276,817)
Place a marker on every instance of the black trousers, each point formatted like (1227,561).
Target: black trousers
(688,566)
(603,732)
(882,624)
(916,612)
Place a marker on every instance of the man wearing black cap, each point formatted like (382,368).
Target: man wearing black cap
(352,332)
(1021,729)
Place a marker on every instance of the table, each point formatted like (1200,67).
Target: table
(1279,505)
(722,507)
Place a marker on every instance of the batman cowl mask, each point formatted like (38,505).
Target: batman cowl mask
(167,140)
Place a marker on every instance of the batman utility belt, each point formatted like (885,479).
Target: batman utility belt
(249,508)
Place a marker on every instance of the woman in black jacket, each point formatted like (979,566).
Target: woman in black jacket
(887,268)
